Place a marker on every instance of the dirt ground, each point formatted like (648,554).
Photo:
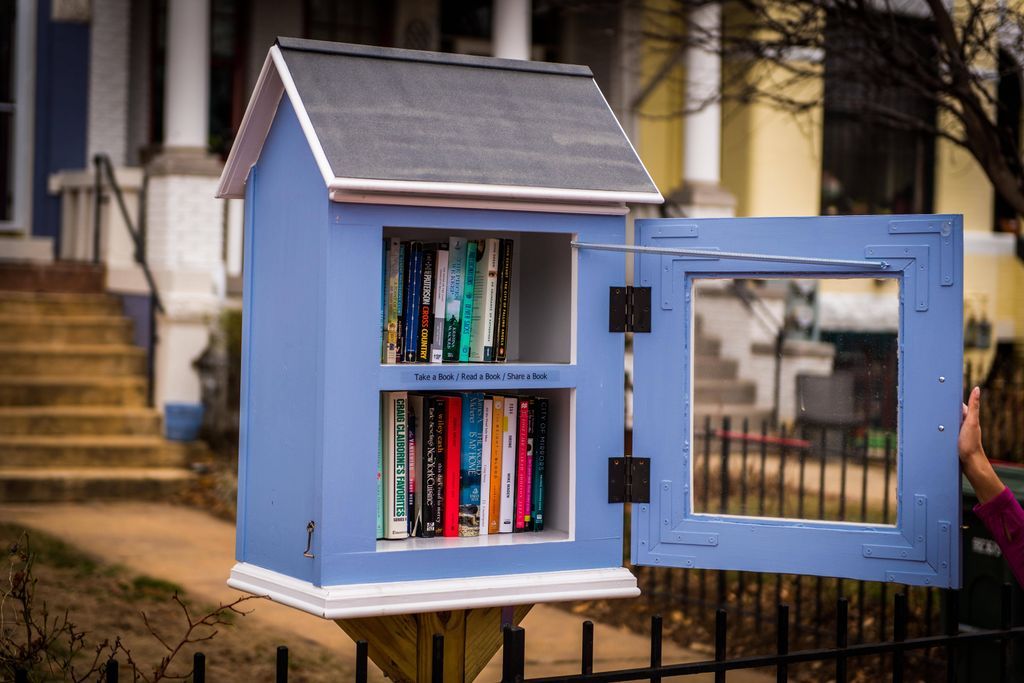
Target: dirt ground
(108,602)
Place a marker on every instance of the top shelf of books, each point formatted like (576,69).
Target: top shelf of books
(481,297)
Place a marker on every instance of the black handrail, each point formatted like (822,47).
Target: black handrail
(104,171)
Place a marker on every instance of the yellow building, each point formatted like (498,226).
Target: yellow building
(776,163)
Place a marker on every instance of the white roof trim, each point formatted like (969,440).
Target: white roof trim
(274,80)
(456,202)
(547,194)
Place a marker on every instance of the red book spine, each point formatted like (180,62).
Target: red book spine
(522,495)
(452,463)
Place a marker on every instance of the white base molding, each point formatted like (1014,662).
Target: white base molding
(433,595)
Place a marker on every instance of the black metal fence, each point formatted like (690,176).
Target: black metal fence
(839,660)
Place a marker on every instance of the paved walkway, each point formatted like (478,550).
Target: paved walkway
(196,550)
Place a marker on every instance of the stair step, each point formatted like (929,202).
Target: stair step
(714,367)
(49,303)
(85,420)
(63,390)
(90,451)
(32,485)
(707,346)
(84,329)
(51,277)
(724,391)
(108,360)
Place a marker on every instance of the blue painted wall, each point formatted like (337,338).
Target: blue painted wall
(282,356)
(61,112)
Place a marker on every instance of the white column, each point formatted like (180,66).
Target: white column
(510,29)
(187,79)
(703,136)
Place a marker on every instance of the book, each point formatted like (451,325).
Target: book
(504,299)
(396,442)
(485,290)
(494,495)
(385,254)
(470,457)
(453,301)
(416,424)
(393,285)
(380,476)
(485,465)
(521,480)
(441,462)
(508,466)
(414,280)
(528,489)
(540,454)
(468,284)
(426,321)
(440,299)
(452,465)
(403,269)
(429,469)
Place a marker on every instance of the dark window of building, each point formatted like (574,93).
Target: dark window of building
(1008,120)
(227,72)
(349,21)
(869,167)
(7,107)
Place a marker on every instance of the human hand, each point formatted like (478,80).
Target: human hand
(976,466)
(969,443)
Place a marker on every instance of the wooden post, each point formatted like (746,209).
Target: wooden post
(402,645)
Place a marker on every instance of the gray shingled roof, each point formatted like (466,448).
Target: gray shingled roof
(405,115)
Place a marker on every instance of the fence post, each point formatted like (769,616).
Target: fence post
(655,648)
(720,634)
(199,668)
(437,659)
(782,643)
(20,676)
(282,664)
(899,634)
(842,637)
(111,673)
(1005,624)
(97,200)
(362,654)
(587,656)
(952,599)
(513,656)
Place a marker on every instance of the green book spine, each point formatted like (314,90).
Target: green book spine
(468,286)
(453,303)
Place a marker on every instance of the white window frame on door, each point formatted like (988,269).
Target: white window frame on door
(24,119)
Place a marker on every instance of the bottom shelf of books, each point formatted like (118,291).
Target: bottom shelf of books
(468,469)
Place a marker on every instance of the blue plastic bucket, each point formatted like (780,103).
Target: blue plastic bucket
(182,421)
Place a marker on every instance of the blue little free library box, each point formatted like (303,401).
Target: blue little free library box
(346,147)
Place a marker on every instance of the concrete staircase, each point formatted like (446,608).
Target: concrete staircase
(74,424)
(718,390)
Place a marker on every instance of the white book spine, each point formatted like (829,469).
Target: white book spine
(508,467)
(484,303)
(485,465)
(440,297)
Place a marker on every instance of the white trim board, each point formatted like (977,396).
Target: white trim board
(432,595)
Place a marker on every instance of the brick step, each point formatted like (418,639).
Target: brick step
(714,367)
(62,390)
(32,485)
(51,277)
(736,413)
(49,303)
(77,329)
(719,391)
(108,360)
(91,451)
(707,346)
(86,420)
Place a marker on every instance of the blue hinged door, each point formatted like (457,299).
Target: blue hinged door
(920,543)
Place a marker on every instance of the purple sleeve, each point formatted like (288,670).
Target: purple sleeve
(1004,519)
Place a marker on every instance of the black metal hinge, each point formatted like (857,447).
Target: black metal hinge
(629,309)
(629,480)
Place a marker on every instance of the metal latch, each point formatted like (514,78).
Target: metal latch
(629,309)
(310,528)
(629,480)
